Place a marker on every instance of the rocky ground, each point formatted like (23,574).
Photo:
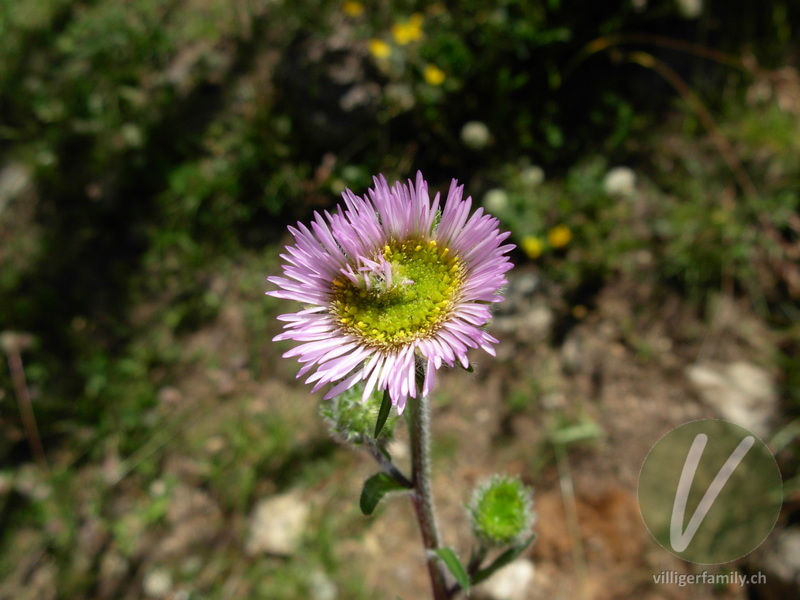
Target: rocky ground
(625,373)
(572,404)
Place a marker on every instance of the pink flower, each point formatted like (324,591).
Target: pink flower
(390,280)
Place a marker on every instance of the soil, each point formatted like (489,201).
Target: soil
(614,370)
(599,379)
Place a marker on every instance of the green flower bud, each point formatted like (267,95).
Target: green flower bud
(502,511)
(353,421)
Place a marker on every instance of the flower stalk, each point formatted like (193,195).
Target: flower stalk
(419,429)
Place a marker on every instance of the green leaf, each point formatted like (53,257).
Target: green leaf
(576,433)
(383,413)
(501,561)
(375,488)
(454,565)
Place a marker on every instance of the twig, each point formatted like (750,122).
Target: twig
(720,141)
(13,343)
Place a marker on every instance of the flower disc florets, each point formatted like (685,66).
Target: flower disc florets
(390,280)
(411,291)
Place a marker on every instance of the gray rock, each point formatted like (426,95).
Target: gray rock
(512,582)
(740,392)
(533,323)
(157,583)
(321,587)
(15,179)
(780,565)
(784,559)
(519,293)
(277,525)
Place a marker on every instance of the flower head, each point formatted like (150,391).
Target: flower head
(501,511)
(559,236)
(390,280)
(532,246)
(352,8)
(379,49)
(434,75)
(408,31)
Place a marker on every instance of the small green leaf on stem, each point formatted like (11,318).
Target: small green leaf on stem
(383,413)
(501,561)
(455,567)
(375,488)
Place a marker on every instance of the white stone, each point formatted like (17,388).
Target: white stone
(495,200)
(277,525)
(475,134)
(512,582)
(532,176)
(535,323)
(321,587)
(784,558)
(690,9)
(740,392)
(525,284)
(158,488)
(15,178)
(620,181)
(157,583)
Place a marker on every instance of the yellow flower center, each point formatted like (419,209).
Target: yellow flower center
(407,301)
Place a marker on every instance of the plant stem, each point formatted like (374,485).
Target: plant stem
(419,428)
(387,465)
(573,523)
(11,344)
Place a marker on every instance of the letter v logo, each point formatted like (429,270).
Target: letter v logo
(680,540)
(709,491)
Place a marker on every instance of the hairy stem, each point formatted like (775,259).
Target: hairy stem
(419,428)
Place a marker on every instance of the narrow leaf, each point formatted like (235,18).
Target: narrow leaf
(454,565)
(375,488)
(383,413)
(576,433)
(501,561)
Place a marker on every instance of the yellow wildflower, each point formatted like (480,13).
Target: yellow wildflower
(532,246)
(559,236)
(408,31)
(379,49)
(434,75)
(353,9)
